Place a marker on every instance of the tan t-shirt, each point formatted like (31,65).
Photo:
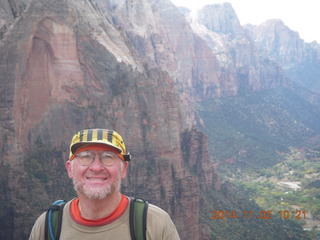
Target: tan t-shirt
(159,227)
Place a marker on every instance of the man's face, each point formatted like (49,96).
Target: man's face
(96,181)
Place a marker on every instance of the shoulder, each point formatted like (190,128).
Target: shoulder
(38,229)
(154,210)
(159,223)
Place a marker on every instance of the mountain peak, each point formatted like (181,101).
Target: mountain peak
(220,18)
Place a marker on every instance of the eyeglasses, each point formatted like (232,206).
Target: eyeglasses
(106,158)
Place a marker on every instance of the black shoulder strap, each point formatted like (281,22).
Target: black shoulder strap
(138,219)
(54,220)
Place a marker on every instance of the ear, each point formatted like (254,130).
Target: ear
(69,168)
(124,170)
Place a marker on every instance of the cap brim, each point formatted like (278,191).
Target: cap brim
(76,146)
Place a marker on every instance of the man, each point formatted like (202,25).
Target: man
(97,164)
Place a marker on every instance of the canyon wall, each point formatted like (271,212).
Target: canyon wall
(65,67)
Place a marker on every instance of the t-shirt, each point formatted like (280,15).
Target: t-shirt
(159,226)
(118,212)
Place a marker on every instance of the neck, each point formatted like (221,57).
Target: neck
(98,208)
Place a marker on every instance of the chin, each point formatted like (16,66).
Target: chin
(97,192)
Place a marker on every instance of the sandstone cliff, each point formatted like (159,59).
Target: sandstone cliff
(299,59)
(64,67)
(161,37)
(261,57)
(242,64)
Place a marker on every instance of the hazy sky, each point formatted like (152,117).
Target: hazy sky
(300,16)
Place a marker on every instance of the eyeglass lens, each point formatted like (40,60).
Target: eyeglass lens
(106,158)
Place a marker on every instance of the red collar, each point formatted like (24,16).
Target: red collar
(76,216)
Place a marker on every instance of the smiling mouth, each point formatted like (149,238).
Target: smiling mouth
(96,179)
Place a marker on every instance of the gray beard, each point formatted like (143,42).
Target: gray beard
(97,193)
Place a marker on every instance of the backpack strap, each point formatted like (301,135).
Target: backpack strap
(53,220)
(138,219)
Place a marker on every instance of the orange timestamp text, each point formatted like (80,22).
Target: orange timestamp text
(297,214)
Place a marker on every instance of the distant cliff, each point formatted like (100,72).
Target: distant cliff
(135,66)
(300,60)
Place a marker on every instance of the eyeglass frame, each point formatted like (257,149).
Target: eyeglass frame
(114,158)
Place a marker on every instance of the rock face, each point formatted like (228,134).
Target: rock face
(299,59)
(65,67)
(220,18)
(242,64)
(162,38)
(279,42)
(261,57)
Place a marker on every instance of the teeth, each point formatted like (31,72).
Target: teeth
(96,179)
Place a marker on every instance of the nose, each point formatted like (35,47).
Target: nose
(96,164)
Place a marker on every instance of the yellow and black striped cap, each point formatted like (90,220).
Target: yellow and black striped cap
(103,136)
